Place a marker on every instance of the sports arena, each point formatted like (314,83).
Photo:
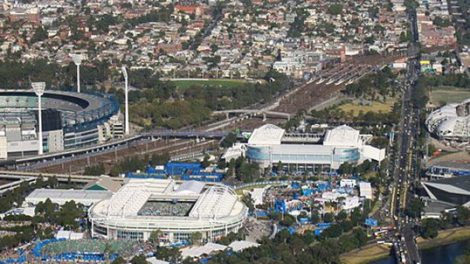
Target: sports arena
(451,122)
(176,210)
(69,120)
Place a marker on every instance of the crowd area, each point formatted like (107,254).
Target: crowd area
(157,208)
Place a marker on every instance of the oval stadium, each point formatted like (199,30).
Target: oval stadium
(451,122)
(176,210)
(69,120)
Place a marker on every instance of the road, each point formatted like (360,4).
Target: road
(404,174)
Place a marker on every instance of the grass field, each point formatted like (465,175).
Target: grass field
(221,83)
(448,95)
(376,107)
(445,237)
(366,254)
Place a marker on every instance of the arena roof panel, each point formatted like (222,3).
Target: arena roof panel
(266,135)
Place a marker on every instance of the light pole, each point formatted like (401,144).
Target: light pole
(77,59)
(38,88)
(126,90)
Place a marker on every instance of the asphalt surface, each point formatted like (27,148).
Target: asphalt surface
(405,173)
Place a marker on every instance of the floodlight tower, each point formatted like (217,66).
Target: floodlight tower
(39,88)
(126,90)
(77,59)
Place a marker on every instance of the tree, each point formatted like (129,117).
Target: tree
(429,228)
(140,259)
(288,220)
(248,200)
(415,208)
(463,215)
(315,217)
(196,238)
(328,218)
(39,35)
(341,216)
(155,236)
(119,260)
(335,9)
(229,140)
(107,250)
(172,255)
(95,170)
(205,162)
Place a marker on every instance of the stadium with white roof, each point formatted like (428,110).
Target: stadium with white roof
(270,145)
(451,122)
(176,210)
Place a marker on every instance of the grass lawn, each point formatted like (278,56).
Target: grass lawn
(373,107)
(447,94)
(240,191)
(445,237)
(366,254)
(221,83)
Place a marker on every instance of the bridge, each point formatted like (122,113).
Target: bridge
(32,176)
(254,112)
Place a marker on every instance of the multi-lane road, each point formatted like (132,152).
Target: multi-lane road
(404,175)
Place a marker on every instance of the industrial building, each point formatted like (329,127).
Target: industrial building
(70,120)
(271,146)
(176,210)
(451,122)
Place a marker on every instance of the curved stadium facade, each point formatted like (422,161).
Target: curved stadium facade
(177,211)
(70,120)
(451,122)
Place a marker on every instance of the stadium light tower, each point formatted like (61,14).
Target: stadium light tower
(77,59)
(126,90)
(39,88)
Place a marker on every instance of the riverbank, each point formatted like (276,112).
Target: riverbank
(375,252)
(366,254)
(445,237)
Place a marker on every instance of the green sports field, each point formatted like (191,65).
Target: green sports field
(442,95)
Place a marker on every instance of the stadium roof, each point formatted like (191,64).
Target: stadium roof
(342,136)
(191,187)
(214,202)
(266,135)
(459,185)
(104,183)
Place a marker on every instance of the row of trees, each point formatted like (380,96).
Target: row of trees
(372,85)
(430,227)
(241,170)
(286,248)
(159,104)
(139,163)
(460,80)
(335,114)
(19,75)
(16,197)
(65,215)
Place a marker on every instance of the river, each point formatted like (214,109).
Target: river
(438,255)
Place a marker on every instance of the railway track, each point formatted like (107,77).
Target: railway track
(78,164)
